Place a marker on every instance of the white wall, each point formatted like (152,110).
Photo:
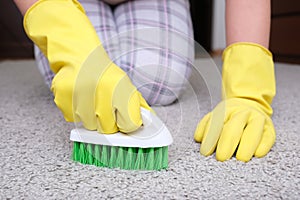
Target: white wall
(218,26)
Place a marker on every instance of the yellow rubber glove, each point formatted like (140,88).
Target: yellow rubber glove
(242,120)
(88,86)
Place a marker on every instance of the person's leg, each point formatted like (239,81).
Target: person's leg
(156,40)
(100,15)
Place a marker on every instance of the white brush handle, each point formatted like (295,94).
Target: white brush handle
(153,133)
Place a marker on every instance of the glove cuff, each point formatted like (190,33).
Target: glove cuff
(247,45)
(248,72)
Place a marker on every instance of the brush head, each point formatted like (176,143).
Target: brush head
(144,149)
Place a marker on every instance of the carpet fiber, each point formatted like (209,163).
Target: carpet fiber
(36,151)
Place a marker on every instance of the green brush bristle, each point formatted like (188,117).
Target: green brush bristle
(76,155)
(140,162)
(158,158)
(120,157)
(165,157)
(97,155)
(90,157)
(104,155)
(131,158)
(113,157)
(82,153)
(150,159)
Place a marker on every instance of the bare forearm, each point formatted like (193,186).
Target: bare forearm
(23,5)
(248,21)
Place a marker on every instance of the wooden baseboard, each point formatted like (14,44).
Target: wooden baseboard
(216,52)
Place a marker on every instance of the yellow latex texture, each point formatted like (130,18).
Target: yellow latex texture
(241,122)
(87,86)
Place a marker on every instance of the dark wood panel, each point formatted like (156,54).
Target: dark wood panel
(285,37)
(201,13)
(285,7)
(285,31)
(13,40)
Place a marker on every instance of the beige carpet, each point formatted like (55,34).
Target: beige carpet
(35,149)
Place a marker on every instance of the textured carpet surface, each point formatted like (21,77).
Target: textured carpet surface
(35,149)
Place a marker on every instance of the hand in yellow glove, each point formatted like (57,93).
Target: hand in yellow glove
(88,86)
(242,120)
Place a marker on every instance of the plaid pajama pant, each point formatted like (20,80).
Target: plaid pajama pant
(151,40)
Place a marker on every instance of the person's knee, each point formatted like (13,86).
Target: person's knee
(165,96)
(161,85)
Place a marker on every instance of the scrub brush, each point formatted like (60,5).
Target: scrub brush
(144,149)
